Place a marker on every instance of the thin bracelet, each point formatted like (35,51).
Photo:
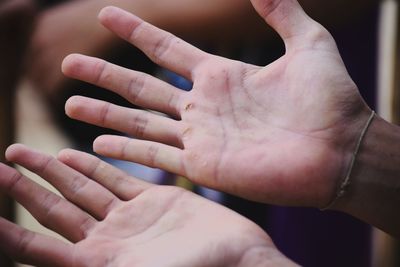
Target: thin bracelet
(346,181)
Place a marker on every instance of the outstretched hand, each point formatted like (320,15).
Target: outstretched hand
(280,134)
(113,219)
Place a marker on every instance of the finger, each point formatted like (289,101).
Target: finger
(162,47)
(31,248)
(289,19)
(48,208)
(137,123)
(143,152)
(118,182)
(74,186)
(138,88)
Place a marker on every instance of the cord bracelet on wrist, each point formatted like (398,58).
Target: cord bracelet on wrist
(346,181)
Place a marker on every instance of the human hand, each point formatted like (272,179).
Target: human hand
(282,134)
(113,219)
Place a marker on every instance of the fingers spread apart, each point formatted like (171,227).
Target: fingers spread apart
(138,88)
(160,46)
(49,209)
(137,123)
(73,185)
(143,152)
(118,182)
(31,248)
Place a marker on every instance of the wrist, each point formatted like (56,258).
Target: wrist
(346,135)
(350,155)
(373,192)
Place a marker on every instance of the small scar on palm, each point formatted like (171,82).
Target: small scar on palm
(186,132)
(189,106)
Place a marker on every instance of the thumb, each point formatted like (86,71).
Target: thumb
(288,18)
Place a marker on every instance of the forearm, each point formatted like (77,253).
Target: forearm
(374,191)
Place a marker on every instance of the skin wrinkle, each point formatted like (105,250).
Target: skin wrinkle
(172,104)
(17,178)
(217,173)
(227,79)
(49,201)
(139,125)
(124,148)
(159,235)
(76,185)
(110,261)
(109,206)
(96,166)
(104,112)
(135,87)
(136,27)
(300,132)
(43,167)
(162,46)
(25,239)
(100,67)
(117,182)
(97,169)
(252,98)
(268,7)
(159,218)
(120,182)
(250,250)
(152,154)
(183,167)
(87,225)
(186,133)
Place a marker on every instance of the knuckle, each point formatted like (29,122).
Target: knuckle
(162,46)
(104,112)
(14,181)
(45,165)
(49,202)
(152,153)
(139,125)
(76,185)
(25,239)
(136,86)
(100,70)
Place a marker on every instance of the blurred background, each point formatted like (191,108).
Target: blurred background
(36,35)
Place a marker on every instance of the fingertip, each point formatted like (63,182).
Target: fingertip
(109,14)
(72,106)
(100,144)
(69,64)
(13,151)
(105,11)
(118,21)
(106,144)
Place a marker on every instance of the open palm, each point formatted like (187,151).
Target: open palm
(113,219)
(281,134)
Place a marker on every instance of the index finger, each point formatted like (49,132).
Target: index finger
(160,46)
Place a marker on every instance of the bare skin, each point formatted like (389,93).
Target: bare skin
(282,134)
(57,35)
(112,219)
(234,109)
(236,116)
(219,22)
